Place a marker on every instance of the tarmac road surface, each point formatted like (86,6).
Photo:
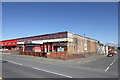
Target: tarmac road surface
(13,67)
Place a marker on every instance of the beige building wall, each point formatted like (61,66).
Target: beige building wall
(77,45)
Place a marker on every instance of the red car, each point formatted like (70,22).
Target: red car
(111,54)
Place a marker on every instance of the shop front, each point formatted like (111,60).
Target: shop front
(41,48)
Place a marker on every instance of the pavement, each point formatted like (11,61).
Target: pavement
(54,61)
(23,66)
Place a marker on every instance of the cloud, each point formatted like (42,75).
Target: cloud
(112,43)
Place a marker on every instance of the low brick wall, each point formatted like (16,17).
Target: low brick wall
(56,54)
(59,55)
(51,55)
(31,53)
(9,51)
(63,56)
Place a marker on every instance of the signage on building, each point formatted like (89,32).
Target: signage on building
(60,44)
(37,49)
(60,49)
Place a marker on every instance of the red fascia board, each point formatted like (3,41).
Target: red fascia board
(10,45)
(0,43)
(9,41)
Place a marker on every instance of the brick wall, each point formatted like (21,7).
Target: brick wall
(31,53)
(56,54)
(78,45)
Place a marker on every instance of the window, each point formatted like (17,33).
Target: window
(85,45)
(8,43)
(13,43)
(3,44)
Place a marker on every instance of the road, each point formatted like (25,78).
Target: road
(109,64)
(14,67)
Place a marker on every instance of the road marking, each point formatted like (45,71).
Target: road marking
(111,64)
(25,59)
(38,68)
(15,63)
(52,72)
(107,68)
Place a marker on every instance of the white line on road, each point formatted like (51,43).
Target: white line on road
(15,63)
(52,72)
(111,64)
(107,68)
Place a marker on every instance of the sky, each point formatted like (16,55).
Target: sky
(98,20)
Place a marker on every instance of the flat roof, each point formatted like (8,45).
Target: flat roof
(36,36)
(47,35)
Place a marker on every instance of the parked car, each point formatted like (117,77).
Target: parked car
(110,54)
